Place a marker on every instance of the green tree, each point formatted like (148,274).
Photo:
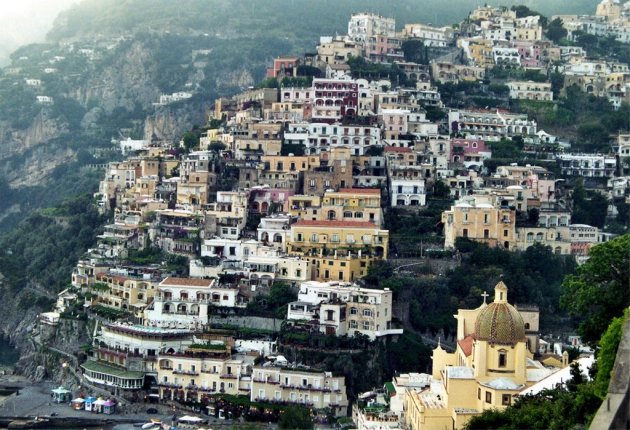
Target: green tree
(216,146)
(441,189)
(190,140)
(295,417)
(598,291)
(556,30)
(577,378)
(593,134)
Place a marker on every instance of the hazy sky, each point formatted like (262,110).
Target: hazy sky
(26,21)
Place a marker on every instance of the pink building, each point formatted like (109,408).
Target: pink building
(283,67)
(470,152)
(384,49)
(529,52)
(334,99)
(267,200)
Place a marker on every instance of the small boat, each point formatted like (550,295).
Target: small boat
(151,424)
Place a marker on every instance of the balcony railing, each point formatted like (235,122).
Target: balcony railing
(186,372)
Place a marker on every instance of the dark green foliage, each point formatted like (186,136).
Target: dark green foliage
(374,151)
(523,11)
(550,409)
(408,353)
(32,299)
(191,140)
(593,134)
(275,303)
(361,68)
(216,147)
(598,291)
(441,189)
(556,31)
(435,114)
(296,149)
(269,83)
(533,276)
(295,417)
(607,353)
(577,378)
(415,51)
(589,207)
(44,248)
(511,149)
(378,271)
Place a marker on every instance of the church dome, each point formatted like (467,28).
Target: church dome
(499,322)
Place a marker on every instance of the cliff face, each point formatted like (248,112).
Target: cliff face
(171,122)
(124,82)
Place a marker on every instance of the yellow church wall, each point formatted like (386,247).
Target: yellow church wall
(441,359)
(458,393)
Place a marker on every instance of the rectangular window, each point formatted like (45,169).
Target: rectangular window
(506,399)
(488,397)
(502,358)
(505,233)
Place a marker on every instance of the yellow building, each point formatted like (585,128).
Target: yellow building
(353,204)
(338,250)
(305,207)
(121,292)
(489,367)
(200,371)
(481,222)
(286,163)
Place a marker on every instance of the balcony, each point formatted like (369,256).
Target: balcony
(228,376)
(169,385)
(186,372)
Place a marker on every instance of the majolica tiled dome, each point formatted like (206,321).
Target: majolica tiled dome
(499,322)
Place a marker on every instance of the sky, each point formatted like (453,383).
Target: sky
(26,21)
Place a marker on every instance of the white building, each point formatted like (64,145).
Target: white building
(587,165)
(407,192)
(274,230)
(184,302)
(172,98)
(528,90)
(307,387)
(129,145)
(364,25)
(431,36)
(503,55)
(318,137)
(344,308)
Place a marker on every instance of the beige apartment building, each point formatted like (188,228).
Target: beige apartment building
(200,371)
(481,222)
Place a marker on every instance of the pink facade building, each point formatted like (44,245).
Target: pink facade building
(334,99)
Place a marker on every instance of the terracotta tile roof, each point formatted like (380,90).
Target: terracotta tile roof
(396,149)
(360,191)
(115,278)
(187,282)
(326,223)
(466,344)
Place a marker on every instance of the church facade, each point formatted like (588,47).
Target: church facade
(490,366)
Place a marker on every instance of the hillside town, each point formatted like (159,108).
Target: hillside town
(257,229)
